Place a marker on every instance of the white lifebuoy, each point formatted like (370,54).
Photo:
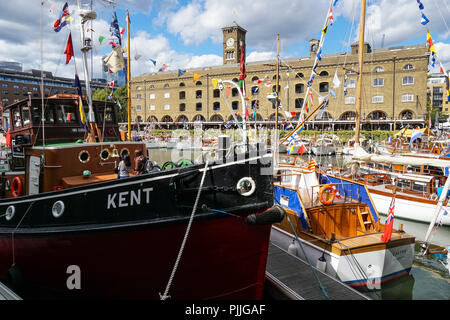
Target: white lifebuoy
(242,189)
(58,209)
(10,213)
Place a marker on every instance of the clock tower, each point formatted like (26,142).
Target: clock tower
(233,37)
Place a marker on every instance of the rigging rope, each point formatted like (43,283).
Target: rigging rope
(180,253)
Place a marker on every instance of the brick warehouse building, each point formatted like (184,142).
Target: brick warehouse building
(394,87)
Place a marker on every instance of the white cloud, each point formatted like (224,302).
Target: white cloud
(260,56)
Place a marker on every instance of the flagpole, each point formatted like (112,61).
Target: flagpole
(360,62)
(128,76)
(277,104)
(85,47)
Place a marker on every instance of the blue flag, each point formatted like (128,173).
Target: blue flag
(420,5)
(63,18)
(181,72)
(153,61)
(319,54)
(424,20)
(114,28)
(333,94)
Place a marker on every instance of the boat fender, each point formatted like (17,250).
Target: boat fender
(273,215)
(10,213)
(246,186)
(321,263)
(292,249)
(332,195)
(16,187)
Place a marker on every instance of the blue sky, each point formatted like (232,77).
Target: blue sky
(187,33)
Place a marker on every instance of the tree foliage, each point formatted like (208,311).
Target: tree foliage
(118,94)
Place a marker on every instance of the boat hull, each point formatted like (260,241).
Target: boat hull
(125,235)
(407,208)
(367,269)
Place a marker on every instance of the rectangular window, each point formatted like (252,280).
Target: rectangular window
(349,100)
(152,107)
(350,84)
(167,95)
(408,98)
(138,107)
(419,186)
(408,80)
(152,96)
(377,99)
(66,114)
(167,107)
(379,82)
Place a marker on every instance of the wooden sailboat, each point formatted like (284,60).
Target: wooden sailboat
(336,224)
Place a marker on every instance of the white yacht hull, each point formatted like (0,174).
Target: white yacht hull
(368,269)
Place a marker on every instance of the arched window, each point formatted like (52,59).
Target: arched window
(138,119)
(280,117)
(324,116)
(182,118)
(255,78)
(182,84)
(408,67)
(152,119)
(406,115)
(299,75)
(348,115)
(324,74)
(199,117)
(377,115)
(166,85)
(378,69)
(275,77)
(198,83)
(238,117)
(151,87)
(236,80)
(216,118)
(258,117)
(167,118)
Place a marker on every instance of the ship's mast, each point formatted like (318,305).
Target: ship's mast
(360,75)
(128,76)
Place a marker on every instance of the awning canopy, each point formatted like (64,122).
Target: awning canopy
(406,133)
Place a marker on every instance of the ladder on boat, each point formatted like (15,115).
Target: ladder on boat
(366,221)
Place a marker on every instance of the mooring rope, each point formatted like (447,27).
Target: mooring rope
(165,296)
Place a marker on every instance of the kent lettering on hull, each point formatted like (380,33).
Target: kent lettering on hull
(128,198)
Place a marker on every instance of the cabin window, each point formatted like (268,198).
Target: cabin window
(66,114)
(419,186)
(17,118)
(49,116)
(26,115)
(404,184)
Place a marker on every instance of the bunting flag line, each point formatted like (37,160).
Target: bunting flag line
(69,48)
(181,72)
(227,92)
(153,61)
(334,4)
(63,18)
(214,83)
(420,5)
(100,39)
(319,57)
(330,17)
(163,68)
(441,69)
(324,30)
(433,59)
(196,77)
(424,20)
(268,84)
(333,94)
(137,56)
(258,81)
(83,122)
(430,43)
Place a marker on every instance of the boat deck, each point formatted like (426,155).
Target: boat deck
(291,278)
(7,294)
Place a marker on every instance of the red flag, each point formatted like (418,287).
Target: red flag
(389,222)
(246,113)
(8,138)
(111,84)
(302,150)
(69,49)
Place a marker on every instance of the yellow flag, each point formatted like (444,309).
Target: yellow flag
(324,30)
(196,77)
(214,83)
(430,43)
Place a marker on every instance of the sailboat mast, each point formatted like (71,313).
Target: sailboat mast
(360,62)
(128,76)
(277,99)
(84,49)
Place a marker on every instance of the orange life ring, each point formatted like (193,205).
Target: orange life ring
(331,198)
(18,192)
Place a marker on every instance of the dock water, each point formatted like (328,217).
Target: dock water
(290,278)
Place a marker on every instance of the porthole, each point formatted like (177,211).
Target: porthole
(84,156)
(124,152)
(10,212)
(105,154)
(58,209)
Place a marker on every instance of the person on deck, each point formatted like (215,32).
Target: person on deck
(124,167)
(139,162)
